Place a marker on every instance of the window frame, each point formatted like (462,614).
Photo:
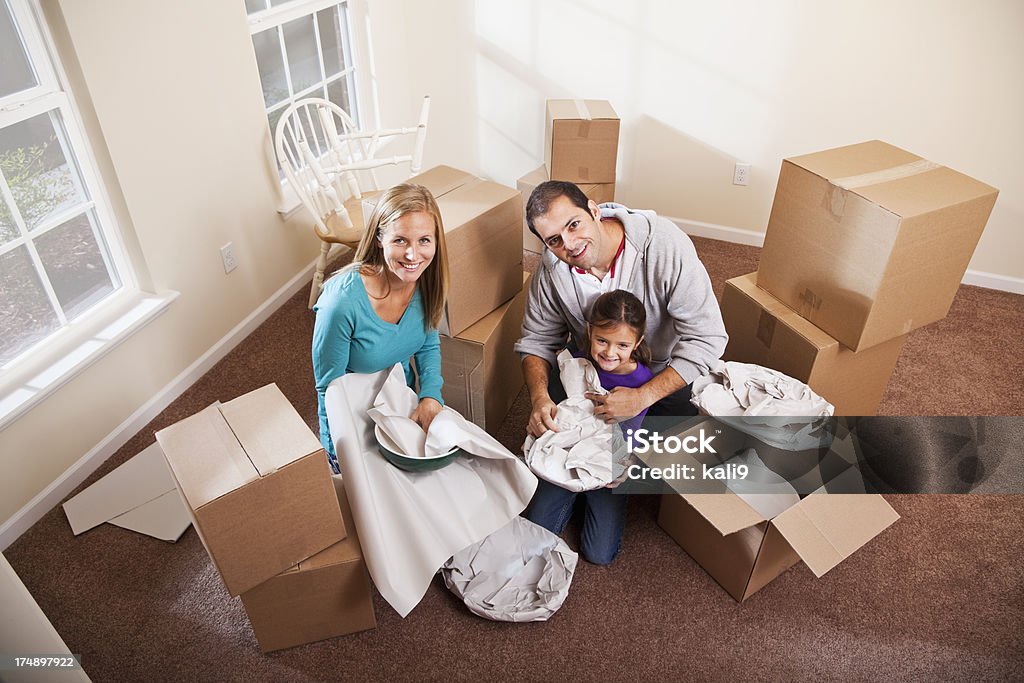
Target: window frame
(44,366)
(359,69)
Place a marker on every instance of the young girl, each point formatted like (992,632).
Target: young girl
(616,346)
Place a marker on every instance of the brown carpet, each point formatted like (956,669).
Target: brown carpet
(940,595)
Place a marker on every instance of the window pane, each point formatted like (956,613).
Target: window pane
(8,229)
(25,312)
(42,179)
(16,73)
(337,92)
(268,58)
(252,6)
(303,60)
(74,263)
(331,40)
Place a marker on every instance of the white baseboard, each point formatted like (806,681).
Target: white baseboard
(1005,283)
(53,494)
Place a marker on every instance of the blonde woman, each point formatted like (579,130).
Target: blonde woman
(385,307)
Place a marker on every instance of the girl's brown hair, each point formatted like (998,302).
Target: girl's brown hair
(619,306)
(392,205)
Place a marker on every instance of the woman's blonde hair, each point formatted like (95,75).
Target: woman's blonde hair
(392,205)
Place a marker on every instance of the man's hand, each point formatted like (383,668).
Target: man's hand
(621,403)
(542,417)
(425,412)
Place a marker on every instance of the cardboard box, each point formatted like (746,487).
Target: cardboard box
(481,228)
(257,485)
(765,331)
(598,192)
(581,141)
(482,375)
(744,551)
(869,242)
(322,597)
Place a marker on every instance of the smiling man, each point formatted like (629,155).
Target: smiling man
(591,250)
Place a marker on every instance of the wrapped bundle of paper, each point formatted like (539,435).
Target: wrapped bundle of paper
(391,411)
(579,456)
(777,409)
(410,524)
(521,572)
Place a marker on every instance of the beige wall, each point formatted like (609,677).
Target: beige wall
(702,85)
(176,95)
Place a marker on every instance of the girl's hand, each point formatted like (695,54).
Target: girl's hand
(425,412)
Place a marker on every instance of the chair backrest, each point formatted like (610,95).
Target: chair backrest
(327,160)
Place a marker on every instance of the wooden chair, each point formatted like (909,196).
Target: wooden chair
(329,163)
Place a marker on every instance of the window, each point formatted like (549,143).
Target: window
(59,257)
(303,49)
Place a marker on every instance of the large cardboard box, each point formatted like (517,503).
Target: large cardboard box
(322,597)
(765,331)
(581,141)
(257,485)
(743,550)
(869,241)
(598,192)
(481,228)
(482,374)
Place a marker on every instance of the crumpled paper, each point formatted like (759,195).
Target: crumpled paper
(765,491)
(578,457)
(410,523)
(521,572)
(777,409)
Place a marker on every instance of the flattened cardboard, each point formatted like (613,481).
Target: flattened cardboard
(138,481)
(481,227)
(598,192)
(764,331)
(324,596)
(482,376)
(744,552)
(165,517)
(870,242)
(581,140)
(254,525)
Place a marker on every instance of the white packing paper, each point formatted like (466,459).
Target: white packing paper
(521,572)
(580,456)
(409,523)
(777,409)
(762,489)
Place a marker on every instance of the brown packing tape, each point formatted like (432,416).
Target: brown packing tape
(584,173)
(766,328)
(809,302)
(838,187)
(583,129)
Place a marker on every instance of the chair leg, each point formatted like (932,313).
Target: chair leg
(318,277)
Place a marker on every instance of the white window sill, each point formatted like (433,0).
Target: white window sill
(75,348)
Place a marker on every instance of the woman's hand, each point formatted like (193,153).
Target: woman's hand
(425,412)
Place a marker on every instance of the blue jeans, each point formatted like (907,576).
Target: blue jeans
(603,521)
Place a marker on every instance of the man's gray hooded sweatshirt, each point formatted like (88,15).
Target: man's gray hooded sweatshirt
(684,324)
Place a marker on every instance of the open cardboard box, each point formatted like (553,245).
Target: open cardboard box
(869,242)
(744,551)
(482,221)
(257,485)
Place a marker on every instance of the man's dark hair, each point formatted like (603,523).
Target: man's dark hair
(547,192)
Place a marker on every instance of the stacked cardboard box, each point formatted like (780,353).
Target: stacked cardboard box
(581,140)
(865,243)
(482,222)
(258,488)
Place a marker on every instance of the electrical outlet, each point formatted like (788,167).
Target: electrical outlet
(741,174)
(227,255)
